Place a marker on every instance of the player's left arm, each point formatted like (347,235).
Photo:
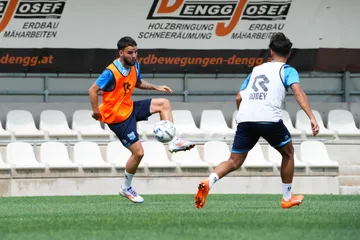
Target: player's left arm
(142,84)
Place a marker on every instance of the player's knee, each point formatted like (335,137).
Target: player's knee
(165,103)
(291,151)
(288,151)
(139,155)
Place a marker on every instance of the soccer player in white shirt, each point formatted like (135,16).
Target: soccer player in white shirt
(259,102)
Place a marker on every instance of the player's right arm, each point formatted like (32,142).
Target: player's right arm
(103,81)
(292,80)
(243,86)
(238,100)
(94,96)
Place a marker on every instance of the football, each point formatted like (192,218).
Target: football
(164,131)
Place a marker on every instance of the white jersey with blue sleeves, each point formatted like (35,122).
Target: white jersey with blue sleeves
(263,92)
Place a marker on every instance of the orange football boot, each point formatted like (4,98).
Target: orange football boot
(203,191)
(294,201)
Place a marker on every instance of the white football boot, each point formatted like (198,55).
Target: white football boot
(131,195)
(179,145)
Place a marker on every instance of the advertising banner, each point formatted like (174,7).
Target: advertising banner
(173,36)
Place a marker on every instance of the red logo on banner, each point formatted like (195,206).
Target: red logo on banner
(8,13)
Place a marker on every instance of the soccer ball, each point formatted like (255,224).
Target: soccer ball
(164,131)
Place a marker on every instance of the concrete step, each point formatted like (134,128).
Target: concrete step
(349,170)
(349,180)
(349,190)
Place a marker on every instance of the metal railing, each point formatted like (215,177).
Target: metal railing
(345,92)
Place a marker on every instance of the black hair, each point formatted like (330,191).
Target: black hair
(280,44)
(125,42)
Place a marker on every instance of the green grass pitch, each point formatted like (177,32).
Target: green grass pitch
(175,217)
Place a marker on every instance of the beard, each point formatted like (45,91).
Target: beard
(128,62)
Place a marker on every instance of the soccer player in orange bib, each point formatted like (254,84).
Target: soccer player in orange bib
(121,114)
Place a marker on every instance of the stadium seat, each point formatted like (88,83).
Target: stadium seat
(316,155)
(216,152)
(55,156)
(3,165)
(146,127)
(117,154)
(275,157)
(303,123)
(189,159)
(256,159)
(21,124)
(295,133)
(54,124)
(233,122)
(185,125)
(21,156)
(213,123)
(155,155)
(88,155)
(87,126)
(3,133)
(343,123)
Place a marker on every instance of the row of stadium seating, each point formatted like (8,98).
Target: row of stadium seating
(87,155)
(53,124)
